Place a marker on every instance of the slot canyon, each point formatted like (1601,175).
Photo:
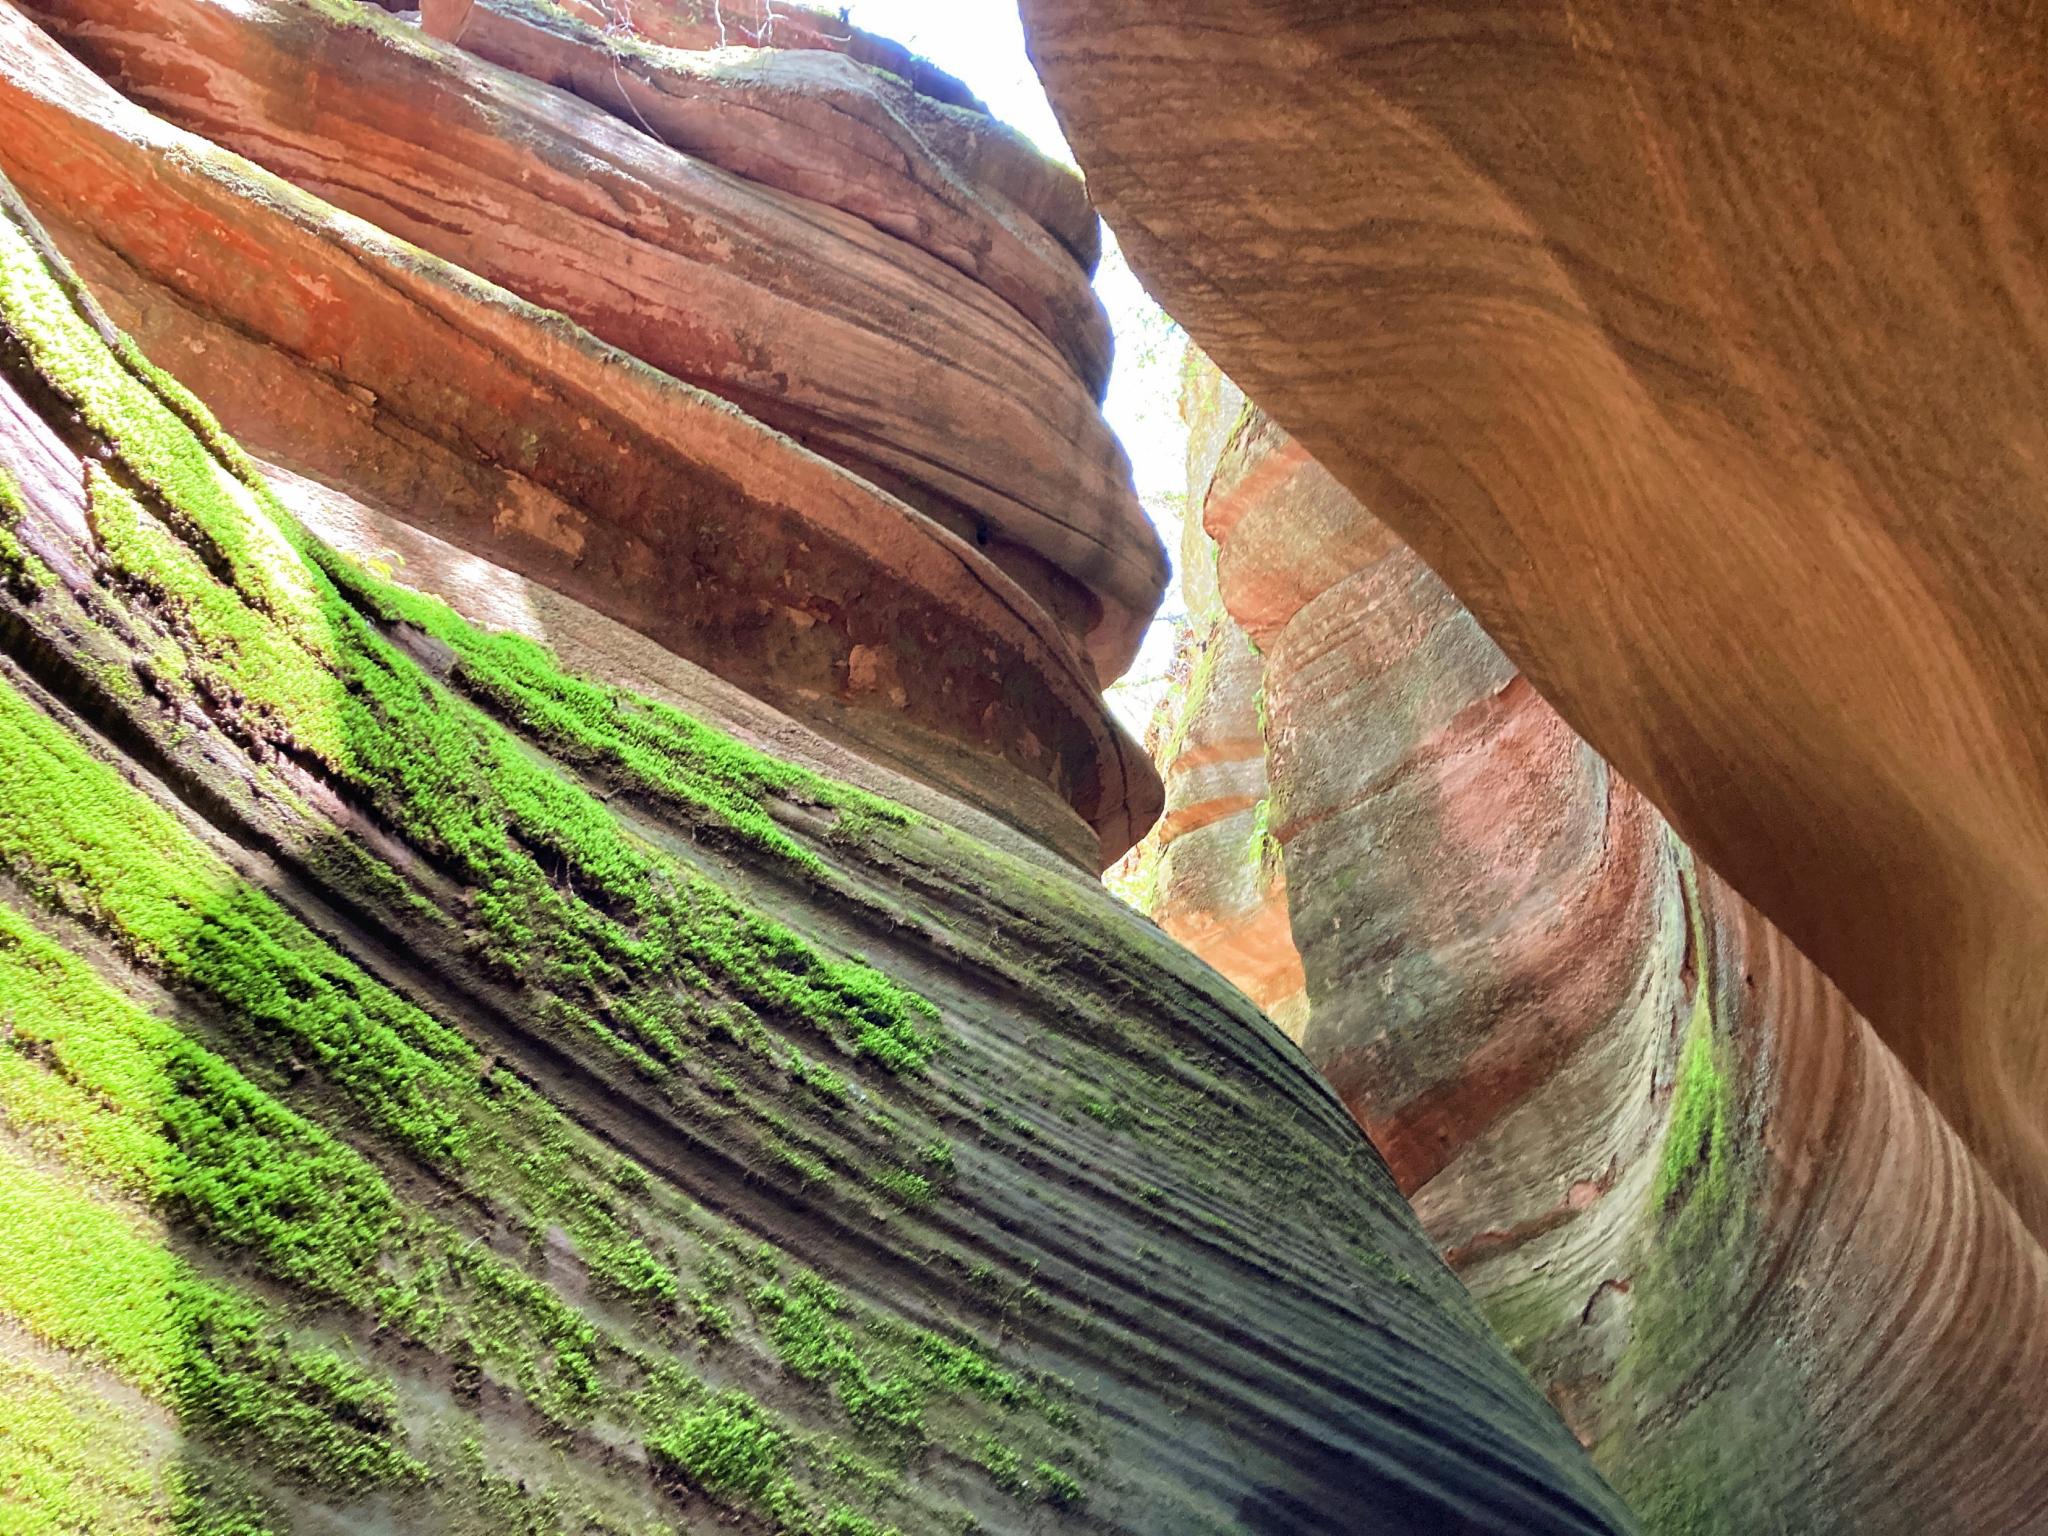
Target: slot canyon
(647,885)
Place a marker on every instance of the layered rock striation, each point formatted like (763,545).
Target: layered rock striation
(1701,353)
(551,978)
(1747,1258)
(360,357)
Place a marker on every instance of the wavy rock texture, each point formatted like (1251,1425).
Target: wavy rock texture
(699,24)
(469,1069)
(1704,353)
(369,364)
(1741,1250)
(955,183)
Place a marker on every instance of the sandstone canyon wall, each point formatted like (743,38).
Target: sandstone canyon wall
(1739,1247)
(719,280)
(1703,351)
(551,978)
(1209,871)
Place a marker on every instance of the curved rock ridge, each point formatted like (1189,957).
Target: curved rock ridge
(701,24)
(1705,355)
(828,130)
(349,354)
(908,371)
(445,1092)
(1738,1246)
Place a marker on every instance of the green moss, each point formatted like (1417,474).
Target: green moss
(713,1317)
(906,1188)
(841,1521)
(484,1501)
(1692,1280)
(1108,1111)
(86,841)
(594,932)
(374,19)
(286,644)
(797,1161)
(727,1446)
(625,1267)
(962,1368)
(19,569)
(129,1099)
(1193,694)
(641,744)
(807,1331)
(86,1277)
(450,1292)
(1696,1167)
(819,1079)
(717,1277)
(310,1412)
(1005,1467)
(69,1461)
(1056,1486)
(247,1169)
(1696,1143)
(885,1374)
(220,1507)
(1262,851)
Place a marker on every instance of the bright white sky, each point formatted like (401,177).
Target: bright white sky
(982,42)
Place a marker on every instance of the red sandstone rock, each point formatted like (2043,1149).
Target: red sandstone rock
(369,363)
(1702,353)
(830,131)
(1210,872)
(891,363)
(769,24)
(349,354)
(441,1093)
(1742,1251)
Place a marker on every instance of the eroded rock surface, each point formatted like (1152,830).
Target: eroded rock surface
(362,360)
(465,1067)
(952,182)
(1739,1247)
(700,24)
(1702,353)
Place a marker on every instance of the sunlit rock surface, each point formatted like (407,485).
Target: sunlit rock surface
(361,359)
(1745,1256)
(551,975)
(1704,354)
